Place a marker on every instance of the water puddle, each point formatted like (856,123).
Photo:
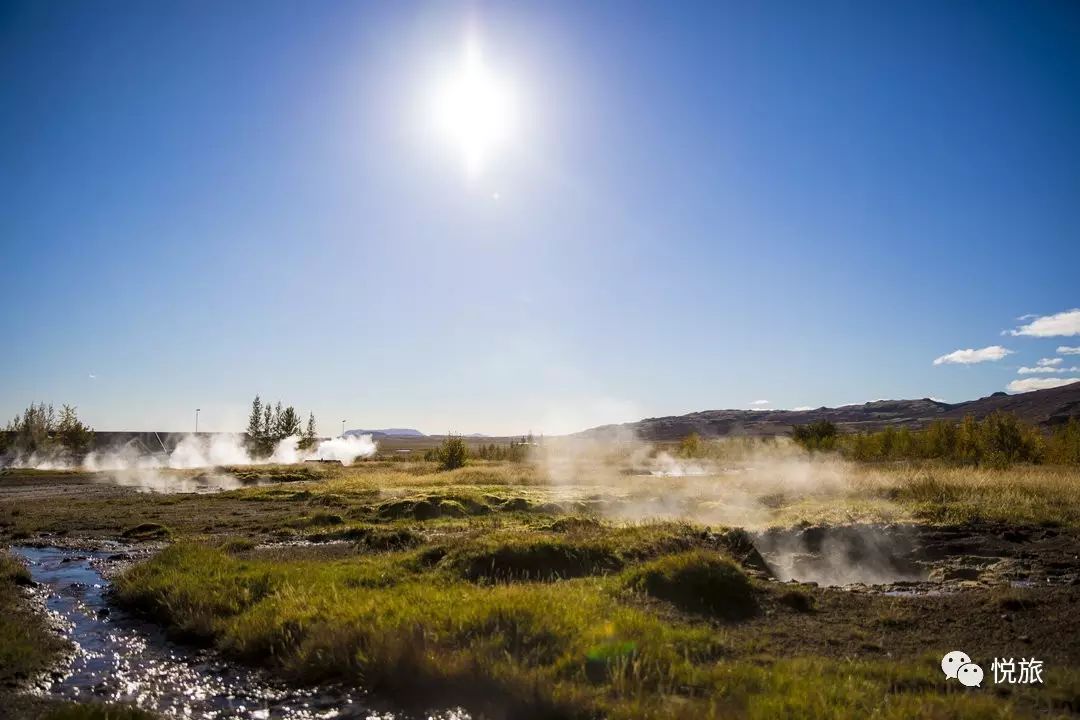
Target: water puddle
(121,658)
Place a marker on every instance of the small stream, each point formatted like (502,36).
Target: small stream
(121,658)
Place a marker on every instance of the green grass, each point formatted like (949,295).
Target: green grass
(490,588)
(652,641)
(697,581)
(1022,495)
(27,648)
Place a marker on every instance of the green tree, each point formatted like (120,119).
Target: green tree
(33,429)
(941,439)
(75,436)
(268,422)
(255,420)
(288,423)
(309,438)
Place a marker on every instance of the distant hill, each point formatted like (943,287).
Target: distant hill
(1040,407)
(388,432)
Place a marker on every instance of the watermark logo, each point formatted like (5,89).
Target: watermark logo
(1026,671)
(970,675)
(957,665)
(953,661)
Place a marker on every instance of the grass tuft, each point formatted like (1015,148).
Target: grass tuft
(699,582)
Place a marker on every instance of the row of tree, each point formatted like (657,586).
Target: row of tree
(270,424)
(41,430)
(729,449)
(514,452)
(454,452)
(998,440)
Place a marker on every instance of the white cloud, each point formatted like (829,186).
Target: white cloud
(1066,350)
(969,356)
(802,408)
(760,402)
(1049,362)
(1029,384)
(1029,316)
(1043,370)
(1061,324)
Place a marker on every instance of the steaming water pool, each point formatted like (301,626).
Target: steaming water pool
(121,658)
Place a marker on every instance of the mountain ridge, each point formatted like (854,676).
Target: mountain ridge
(1046,408)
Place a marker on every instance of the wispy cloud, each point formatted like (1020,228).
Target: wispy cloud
(1045,370)
(760,402)
(1066,350)
(92,376)
(1049,362)
(1062,324)
(1029,384)
(802,408)
(970,356)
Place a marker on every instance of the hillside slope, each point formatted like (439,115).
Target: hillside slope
(1040,407)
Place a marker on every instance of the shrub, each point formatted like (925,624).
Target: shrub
(1063,445)
(690,446)
(453,453)
(819,435)
(797,600)
(999,440)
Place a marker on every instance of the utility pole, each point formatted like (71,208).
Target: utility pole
(197,421)
(342,428)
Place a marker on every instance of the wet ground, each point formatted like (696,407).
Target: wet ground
(908,557)
(118,657)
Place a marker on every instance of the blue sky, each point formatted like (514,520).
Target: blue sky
(701,206)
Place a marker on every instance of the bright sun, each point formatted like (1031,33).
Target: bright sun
(474,110)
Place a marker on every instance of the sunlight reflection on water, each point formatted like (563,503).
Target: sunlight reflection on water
(121,658)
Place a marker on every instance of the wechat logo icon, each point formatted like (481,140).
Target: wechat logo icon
(957,665)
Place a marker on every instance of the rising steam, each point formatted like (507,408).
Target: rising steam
(200,451)
(748,483)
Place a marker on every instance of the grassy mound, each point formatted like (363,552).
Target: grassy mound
(430,508)
(533,559)
(146,531)
(373,537)
(697,581)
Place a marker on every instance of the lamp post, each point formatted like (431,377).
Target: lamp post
(342,428)
(197,421)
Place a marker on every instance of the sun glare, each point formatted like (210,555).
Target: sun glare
(474,111)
